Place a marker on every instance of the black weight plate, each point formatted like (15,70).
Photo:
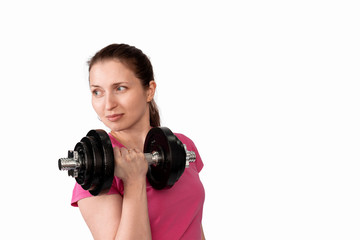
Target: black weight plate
(97,166)
(88,163)
(178,160)
(109,162)
(166,173)
(79,147)
(104,143)
(157,174)
(177,157)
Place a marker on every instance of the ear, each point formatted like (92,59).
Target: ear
(151,91)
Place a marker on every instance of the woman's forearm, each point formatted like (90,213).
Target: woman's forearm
(134,223)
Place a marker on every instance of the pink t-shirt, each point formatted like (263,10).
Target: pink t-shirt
(174,213)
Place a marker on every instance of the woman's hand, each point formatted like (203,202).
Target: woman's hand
(130,165)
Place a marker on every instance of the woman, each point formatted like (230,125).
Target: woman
(122,84)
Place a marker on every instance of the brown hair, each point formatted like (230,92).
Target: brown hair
(138,62)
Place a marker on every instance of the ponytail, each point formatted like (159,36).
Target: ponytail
(154,114)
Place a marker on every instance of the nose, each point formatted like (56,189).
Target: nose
(110,102)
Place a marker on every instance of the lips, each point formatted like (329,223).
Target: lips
(114,117)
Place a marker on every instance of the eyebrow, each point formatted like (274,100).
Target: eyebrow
(114,84)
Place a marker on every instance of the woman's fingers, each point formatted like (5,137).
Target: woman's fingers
(129,163)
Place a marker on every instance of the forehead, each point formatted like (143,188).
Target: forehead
(110,71)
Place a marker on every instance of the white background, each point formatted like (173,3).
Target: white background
(268,91)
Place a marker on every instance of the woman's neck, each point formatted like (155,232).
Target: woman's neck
(132,138)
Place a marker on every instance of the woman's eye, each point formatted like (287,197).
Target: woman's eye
(120,88)
(96,93)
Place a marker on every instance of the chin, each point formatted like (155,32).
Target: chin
(115,127)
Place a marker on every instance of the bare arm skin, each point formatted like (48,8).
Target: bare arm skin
(102,214)
(117,217)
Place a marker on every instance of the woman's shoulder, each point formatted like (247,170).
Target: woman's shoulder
(184,139)
(190,146)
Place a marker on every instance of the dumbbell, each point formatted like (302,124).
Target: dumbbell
(91,162)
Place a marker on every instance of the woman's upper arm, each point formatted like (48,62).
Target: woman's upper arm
(102,214)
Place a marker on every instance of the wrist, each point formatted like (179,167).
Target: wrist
(137,183)
(135,190)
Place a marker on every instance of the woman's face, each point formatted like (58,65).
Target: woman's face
(118,97)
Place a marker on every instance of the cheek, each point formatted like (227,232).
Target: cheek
(137,102)
(97,106)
